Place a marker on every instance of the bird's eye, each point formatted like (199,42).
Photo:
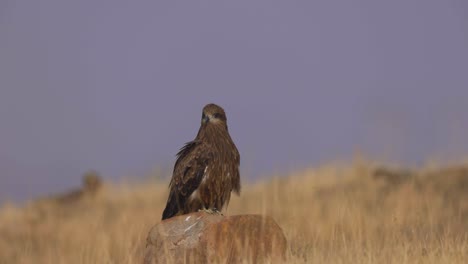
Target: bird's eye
(217,115)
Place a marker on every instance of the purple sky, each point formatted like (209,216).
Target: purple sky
(118,86)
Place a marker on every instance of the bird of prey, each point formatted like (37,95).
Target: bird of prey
(206,170)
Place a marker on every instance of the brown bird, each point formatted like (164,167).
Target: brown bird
(206,170)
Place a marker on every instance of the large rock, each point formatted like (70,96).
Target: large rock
(210,238)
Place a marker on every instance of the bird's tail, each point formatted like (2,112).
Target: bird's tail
(171,207)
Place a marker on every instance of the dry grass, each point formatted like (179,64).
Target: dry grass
(333,214)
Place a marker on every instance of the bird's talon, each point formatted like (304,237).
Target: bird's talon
(211,211)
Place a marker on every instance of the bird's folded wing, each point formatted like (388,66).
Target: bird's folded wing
(190,167)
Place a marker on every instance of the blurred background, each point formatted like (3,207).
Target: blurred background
(118,86)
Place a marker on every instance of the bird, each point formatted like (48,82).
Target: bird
(206,170)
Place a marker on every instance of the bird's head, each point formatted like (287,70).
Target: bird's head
(213,114)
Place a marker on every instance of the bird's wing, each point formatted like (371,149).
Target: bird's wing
(189,168)
(188,173)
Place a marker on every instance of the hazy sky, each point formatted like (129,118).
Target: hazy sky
(118,86)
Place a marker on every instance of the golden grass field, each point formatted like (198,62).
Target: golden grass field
(331,214)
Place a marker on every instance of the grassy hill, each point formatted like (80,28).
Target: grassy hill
(333,214)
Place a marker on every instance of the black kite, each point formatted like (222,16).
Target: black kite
(206,170)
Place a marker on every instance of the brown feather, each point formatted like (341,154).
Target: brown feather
(207,168)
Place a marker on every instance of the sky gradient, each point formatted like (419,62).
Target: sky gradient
(118,86)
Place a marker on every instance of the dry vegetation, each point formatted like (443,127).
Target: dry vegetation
(333,214)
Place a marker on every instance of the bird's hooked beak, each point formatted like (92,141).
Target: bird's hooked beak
(205,119)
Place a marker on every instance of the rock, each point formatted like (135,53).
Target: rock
(210,238)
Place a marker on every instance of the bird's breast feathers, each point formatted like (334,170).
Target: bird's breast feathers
(215,176)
